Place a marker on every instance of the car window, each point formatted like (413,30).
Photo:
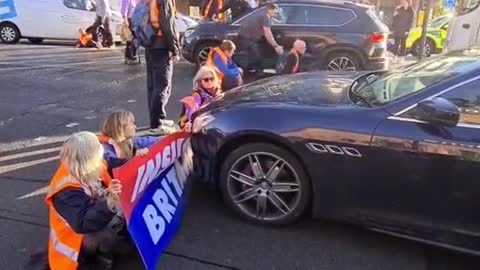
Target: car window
(80,4)
(285,15)
(467,99)
(327,16)
(417,77)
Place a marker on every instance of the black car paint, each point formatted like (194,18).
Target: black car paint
(322,41)
(412,180)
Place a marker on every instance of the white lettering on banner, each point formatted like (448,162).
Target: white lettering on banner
(158,214)
(156,166)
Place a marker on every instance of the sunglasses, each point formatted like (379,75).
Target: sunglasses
(208,79)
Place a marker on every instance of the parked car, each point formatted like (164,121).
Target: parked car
(436,36)
(339,35)
(60,20)
(394,151)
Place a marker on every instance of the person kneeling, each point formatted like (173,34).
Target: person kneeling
(206,87)
(84,214)
(119,141)
(220,58)
(293,61)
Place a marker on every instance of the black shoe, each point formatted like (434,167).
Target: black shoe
(104,262)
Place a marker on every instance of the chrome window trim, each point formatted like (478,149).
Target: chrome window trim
(397,116)
(304,25)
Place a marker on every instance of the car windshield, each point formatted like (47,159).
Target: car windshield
(438,22)
(382,89)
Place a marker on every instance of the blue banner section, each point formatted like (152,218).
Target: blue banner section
(157,215)
(7,9)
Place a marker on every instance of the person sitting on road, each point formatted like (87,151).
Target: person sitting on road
(86,223)
(220,58)
(85,40)
(293,61)
(119,141)
(206,87)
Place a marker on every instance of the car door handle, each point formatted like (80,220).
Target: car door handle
(466,25)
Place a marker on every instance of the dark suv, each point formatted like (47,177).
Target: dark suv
(340,35)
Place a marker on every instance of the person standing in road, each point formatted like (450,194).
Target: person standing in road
(160,56)
(251,34)
(104,13)
(237,8)
(402,22)
(131,49)
(210,8)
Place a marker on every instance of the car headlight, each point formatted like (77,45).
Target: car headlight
(201,121)
(188,32)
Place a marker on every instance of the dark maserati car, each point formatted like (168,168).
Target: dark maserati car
(340,35)
(394,151)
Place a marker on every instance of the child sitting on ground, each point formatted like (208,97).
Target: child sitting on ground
(206,87)
(119,141)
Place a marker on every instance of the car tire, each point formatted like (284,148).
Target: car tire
(345,61)
(9,33)
(430,44)
(202,51)
(296,201)
(35,40)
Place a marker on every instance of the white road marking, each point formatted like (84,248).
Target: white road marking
(37,192)
(23,165)
(29,154)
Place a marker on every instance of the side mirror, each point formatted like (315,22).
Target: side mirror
(438,111)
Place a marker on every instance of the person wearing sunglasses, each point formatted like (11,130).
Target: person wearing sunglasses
(206,87)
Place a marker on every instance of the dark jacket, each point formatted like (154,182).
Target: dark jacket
(290,63)
(237,8)
(402,21)
(169,39)
(81,212)
(110,155)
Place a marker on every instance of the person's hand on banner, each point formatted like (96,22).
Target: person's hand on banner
(188,127)
(142,152)
(114,189)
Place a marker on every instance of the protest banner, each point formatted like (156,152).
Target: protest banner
(153,194)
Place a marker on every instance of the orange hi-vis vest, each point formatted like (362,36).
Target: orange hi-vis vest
(155,14)
(84,38)
(211,63)
(209,6)
(64,244)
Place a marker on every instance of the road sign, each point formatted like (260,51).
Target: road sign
(449,4)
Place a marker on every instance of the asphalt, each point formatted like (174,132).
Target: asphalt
(48,92)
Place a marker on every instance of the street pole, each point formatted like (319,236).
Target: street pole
(423,40)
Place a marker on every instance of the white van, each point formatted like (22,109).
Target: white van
(464,28)
(36,20)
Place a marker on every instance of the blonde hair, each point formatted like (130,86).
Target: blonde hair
(81,153)
(115,124)
(114,127)
(227,45)
(201,73)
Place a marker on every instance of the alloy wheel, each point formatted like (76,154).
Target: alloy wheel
(8,34)
(202,55)
(264,186)
(342,63)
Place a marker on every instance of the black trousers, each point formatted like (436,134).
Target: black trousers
(250,50)
(400,45)
(131,48)
(159,83)
(231,82)
(106,25)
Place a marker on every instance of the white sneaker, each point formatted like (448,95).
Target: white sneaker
(165,122)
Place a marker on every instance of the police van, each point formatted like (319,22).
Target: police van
(37,20)
(464,28)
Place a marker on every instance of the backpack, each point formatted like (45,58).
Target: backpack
(281,61)
(141,26)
